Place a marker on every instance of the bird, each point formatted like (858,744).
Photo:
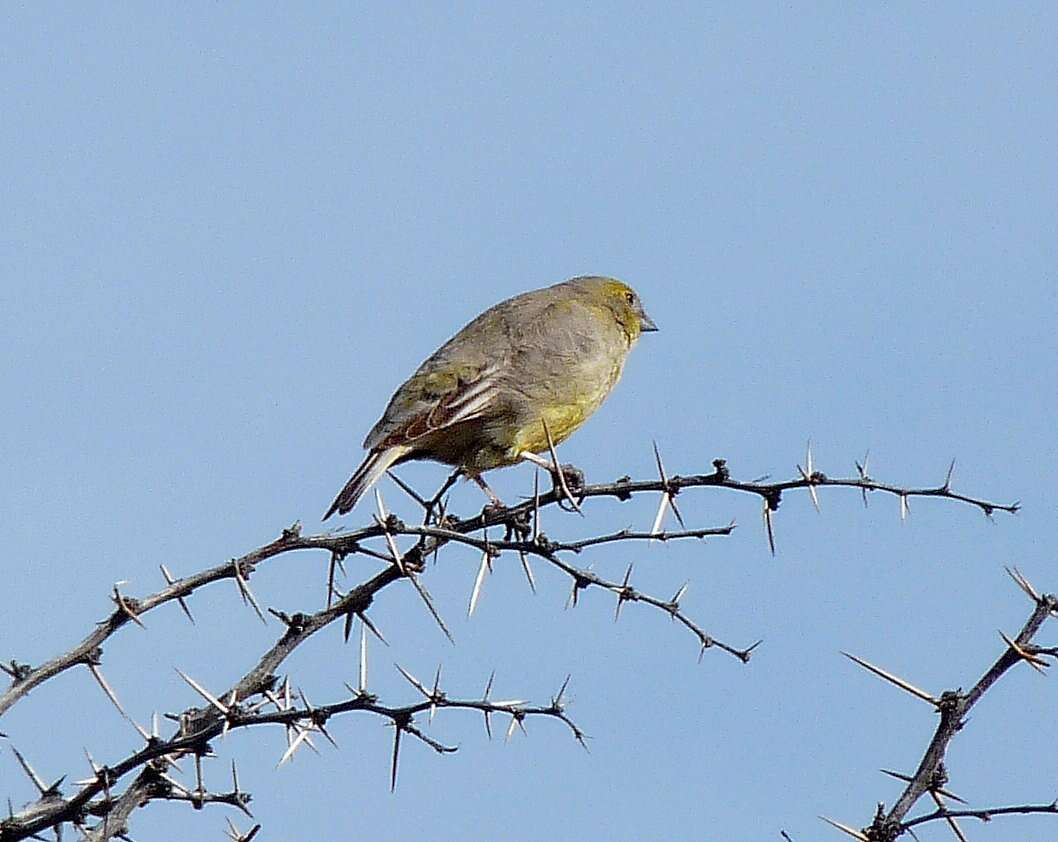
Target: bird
(516,380)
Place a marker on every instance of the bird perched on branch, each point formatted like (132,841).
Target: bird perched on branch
(518,379)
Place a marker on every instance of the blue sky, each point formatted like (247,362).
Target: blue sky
(229,231)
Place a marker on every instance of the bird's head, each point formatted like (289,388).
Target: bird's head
(622,300)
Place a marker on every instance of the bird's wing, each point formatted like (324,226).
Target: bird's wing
(427,403)
(462,379)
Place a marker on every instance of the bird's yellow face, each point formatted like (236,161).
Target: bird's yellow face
(627,308)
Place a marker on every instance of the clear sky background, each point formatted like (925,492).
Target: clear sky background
(228,231)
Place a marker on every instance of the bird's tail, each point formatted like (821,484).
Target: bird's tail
(369,472)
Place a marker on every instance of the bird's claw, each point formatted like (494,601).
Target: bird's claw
(573,475)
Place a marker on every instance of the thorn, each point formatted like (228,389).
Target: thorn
(509,705)
(383,517)
(899,682)
(200,789)
(905,507)
(557,701)
(205,694)
(657,460)
(232,698)
(844,828)
(398,560)
(439,501)
(425,595)
(573,594)
(110,694)
(863,476)
(676,511)
(807,474)
(436,694)
(180,600)
(362,686)
(670,495)
(949,819)
(655,527)
(1024,584)
(622,596)
(407,489)
(483,570)
(947,479)
(279,704)
(316,723)
(559,474)
(246,593)
(125,607)
(371,626)
(302,736)
(908,779)
(331,567)
(536,503)
(487,711)
(175,784)
(418,685)
(769,527)
(33,776)
(1034,661)
(396,752)
(528,570)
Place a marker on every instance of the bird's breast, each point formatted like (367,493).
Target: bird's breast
(565,410)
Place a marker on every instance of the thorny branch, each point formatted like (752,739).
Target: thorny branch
(522,535)
(984,814)
(953,706)
(200,726)
(129,609)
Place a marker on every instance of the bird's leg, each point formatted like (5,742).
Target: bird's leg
(538,460)
(566,478)
(494,499)
(574,475)
(435,501)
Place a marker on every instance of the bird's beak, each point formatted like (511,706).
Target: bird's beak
(646,324)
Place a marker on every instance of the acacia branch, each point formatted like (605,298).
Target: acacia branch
(984,814)
(129,609)
(152,783)
(953,706)
(228,710)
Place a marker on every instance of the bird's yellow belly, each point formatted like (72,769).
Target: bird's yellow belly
(562,422)
(502,439)
(563,418)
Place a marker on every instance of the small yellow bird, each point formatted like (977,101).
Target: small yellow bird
(532,366)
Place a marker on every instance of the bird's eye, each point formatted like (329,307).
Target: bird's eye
(630,297)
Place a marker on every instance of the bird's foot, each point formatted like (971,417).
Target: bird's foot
(573,475)
(495,507)
(495,503)
(568,481)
